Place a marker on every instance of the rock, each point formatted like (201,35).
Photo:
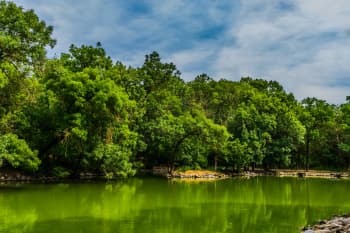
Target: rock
(337,224)
(324,231)
(345,221)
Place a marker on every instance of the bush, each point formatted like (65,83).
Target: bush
(16,153)
(61,172)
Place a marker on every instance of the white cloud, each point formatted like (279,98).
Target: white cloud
(306,49)
(184,61)
(302,44)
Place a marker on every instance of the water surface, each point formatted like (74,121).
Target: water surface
(262,204)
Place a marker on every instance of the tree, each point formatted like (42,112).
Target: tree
(266,122)
(23,37)
(202,91)
(342,135)
(90,109)
(238,155)
(178,140)
(15,153)
(160,102)
(85,56)
(316,116)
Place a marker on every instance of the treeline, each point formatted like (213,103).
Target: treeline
(81,112)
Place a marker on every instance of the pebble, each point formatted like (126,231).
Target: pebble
(339,224)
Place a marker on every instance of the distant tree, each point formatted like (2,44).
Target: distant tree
(85,56)
(316,116)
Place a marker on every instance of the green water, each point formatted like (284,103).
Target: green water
(263,204)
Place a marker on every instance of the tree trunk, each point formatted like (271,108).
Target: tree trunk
(307,155)
(170,168)
(297,161)
(215,162)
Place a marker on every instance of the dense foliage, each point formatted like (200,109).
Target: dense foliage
(82,113)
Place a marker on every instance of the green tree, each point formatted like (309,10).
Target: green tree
(90,109)
(85,56)
(317,116)
(15,152)
(238,155)
(23,38)
(265,120)
(342,134)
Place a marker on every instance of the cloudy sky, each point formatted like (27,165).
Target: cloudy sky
(303,44)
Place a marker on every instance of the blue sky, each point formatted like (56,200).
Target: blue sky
(303,44)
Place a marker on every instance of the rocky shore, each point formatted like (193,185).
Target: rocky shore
(338,224)
(14,176)
(311,173)
(198,174)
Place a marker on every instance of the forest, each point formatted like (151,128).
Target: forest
(83,112)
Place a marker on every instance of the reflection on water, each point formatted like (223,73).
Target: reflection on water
(262,204)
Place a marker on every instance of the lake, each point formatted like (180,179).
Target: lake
(152,205)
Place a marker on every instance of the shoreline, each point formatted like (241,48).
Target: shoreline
(14,176)
(312,174)
(204,174)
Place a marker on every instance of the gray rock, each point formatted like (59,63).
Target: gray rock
(337,224)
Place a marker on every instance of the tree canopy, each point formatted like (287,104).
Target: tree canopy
(81,112)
